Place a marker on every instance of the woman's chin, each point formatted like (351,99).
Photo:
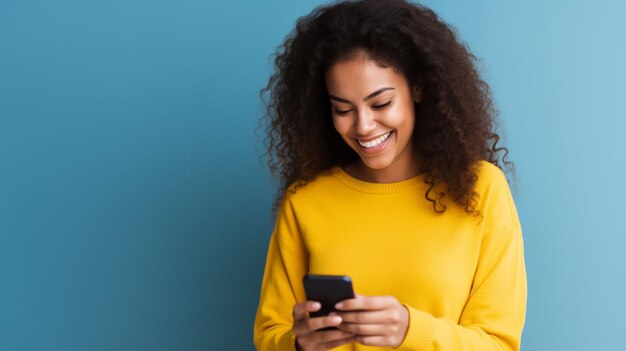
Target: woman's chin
(375,164)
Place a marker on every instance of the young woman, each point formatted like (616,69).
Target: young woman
(384,137)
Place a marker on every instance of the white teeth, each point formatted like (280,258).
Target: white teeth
(376,141)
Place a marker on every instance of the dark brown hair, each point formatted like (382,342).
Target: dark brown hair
(455,122)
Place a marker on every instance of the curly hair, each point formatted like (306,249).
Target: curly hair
(455,121)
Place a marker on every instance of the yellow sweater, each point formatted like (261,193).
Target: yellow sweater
(462,279)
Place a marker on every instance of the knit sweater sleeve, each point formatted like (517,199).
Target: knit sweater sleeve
(494,315)
(286,264)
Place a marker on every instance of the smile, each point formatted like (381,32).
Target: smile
(373,143)
(375,146)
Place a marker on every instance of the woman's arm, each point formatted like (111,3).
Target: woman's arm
(495,312)
(493,317)
(286,264)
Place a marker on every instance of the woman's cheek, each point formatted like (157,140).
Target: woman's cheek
(343,125)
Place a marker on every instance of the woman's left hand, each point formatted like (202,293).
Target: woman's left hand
(377,320)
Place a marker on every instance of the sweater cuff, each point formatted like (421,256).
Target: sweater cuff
(419,335)
(287,341)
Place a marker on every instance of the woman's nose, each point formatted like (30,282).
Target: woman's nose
(365,123)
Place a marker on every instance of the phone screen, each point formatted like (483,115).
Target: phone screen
(327,290)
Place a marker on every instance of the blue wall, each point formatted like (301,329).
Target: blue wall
(134,210)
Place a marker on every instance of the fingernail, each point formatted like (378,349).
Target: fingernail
(336,319)
(339,305)
(315,305)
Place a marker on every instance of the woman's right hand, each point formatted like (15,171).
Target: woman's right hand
(308,335)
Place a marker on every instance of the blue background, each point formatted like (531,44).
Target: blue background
(135,211)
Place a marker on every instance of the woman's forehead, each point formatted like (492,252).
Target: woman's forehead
(360,76)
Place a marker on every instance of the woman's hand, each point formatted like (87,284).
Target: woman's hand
(308,335)
(377,320)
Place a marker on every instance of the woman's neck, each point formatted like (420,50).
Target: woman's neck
(393,173)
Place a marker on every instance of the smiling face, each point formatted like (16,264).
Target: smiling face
(373,111)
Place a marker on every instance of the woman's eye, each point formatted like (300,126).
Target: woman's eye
(383,105)
(342,112)
(378,107)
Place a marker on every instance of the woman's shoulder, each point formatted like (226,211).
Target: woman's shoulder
(496,200)
(323,182)
(489,175)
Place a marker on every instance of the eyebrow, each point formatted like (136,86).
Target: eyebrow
(333,97)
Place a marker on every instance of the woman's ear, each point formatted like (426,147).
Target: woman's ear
(417,94)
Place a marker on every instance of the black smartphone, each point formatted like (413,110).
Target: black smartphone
(327,290)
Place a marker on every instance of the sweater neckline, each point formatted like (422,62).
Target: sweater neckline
(377,188)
